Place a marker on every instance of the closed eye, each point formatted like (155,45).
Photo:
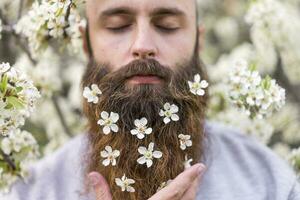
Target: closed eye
(119,28)
(166,29)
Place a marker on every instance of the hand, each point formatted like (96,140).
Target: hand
(183,187)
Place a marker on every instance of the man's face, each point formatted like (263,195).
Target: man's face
(125,30)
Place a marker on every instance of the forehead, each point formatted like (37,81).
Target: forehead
(96,7)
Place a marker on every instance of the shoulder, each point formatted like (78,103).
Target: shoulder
(242,164)
(56,176)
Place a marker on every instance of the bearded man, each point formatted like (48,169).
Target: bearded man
(145,91)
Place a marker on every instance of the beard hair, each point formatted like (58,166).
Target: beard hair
(144,100)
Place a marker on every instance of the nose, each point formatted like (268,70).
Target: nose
(143,45)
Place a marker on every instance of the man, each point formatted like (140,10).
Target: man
(146,121)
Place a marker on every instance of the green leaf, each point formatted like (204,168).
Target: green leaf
(3,84)
(266,82)
(19,89)
(15,102)
(252,67)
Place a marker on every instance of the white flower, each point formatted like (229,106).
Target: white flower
(197,87)
(91,94)
(141,128)
(109,122)
(256,96)
(6,146)
(125,183)
(185,141)
(187,162)
(169,112)
(4,67)
(148,155)
(110,156)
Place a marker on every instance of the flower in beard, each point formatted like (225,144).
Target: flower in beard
(109,122)
(169,113)
(91,94)
(187,162)
(110,156)
(148,155)
(141,128)
(197,87)
(185,141)
(125,183)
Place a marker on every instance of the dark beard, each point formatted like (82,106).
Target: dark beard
(145,100)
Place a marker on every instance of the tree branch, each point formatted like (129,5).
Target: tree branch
(61,116)
(20,11)
(8,160)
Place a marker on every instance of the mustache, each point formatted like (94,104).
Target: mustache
(145,67)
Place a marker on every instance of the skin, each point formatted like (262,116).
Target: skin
(121,31)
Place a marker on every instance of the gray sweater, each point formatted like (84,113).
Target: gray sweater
(239,168)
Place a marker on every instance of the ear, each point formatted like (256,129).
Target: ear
(83,32)
(201,37)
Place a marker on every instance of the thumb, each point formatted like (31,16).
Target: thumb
(100,186)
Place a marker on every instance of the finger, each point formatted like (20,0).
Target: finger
(191,192)
(100,186)
(180,184)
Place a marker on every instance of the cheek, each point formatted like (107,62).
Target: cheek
(174,50)
(111,50)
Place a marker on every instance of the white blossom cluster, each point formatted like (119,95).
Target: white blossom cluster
(256,96)
(275,26)
(51,19)
(18,148)
(22,149)
(169,114)
(17,98)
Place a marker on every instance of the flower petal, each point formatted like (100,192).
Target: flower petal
(144,121)
(104,115)
(149,163)
(142,150)
(175,117)
(134,132)
(166,120)
(200,92)
(104,154)
(174,108)
(130,189)
(118,181)
(150,147)
(108,149)
(114,116)
(106,130)
(141,160)
(114,128)
(148,131)
(101,122)
(106,162)
(137,123)
(167,106)
(140,136)
(197,78)
(157,154)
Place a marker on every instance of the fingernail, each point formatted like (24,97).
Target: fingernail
(94,178)
(201,168)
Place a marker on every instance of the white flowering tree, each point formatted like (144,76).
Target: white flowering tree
(254,43)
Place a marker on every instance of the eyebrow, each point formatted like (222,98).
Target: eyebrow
(129,11)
